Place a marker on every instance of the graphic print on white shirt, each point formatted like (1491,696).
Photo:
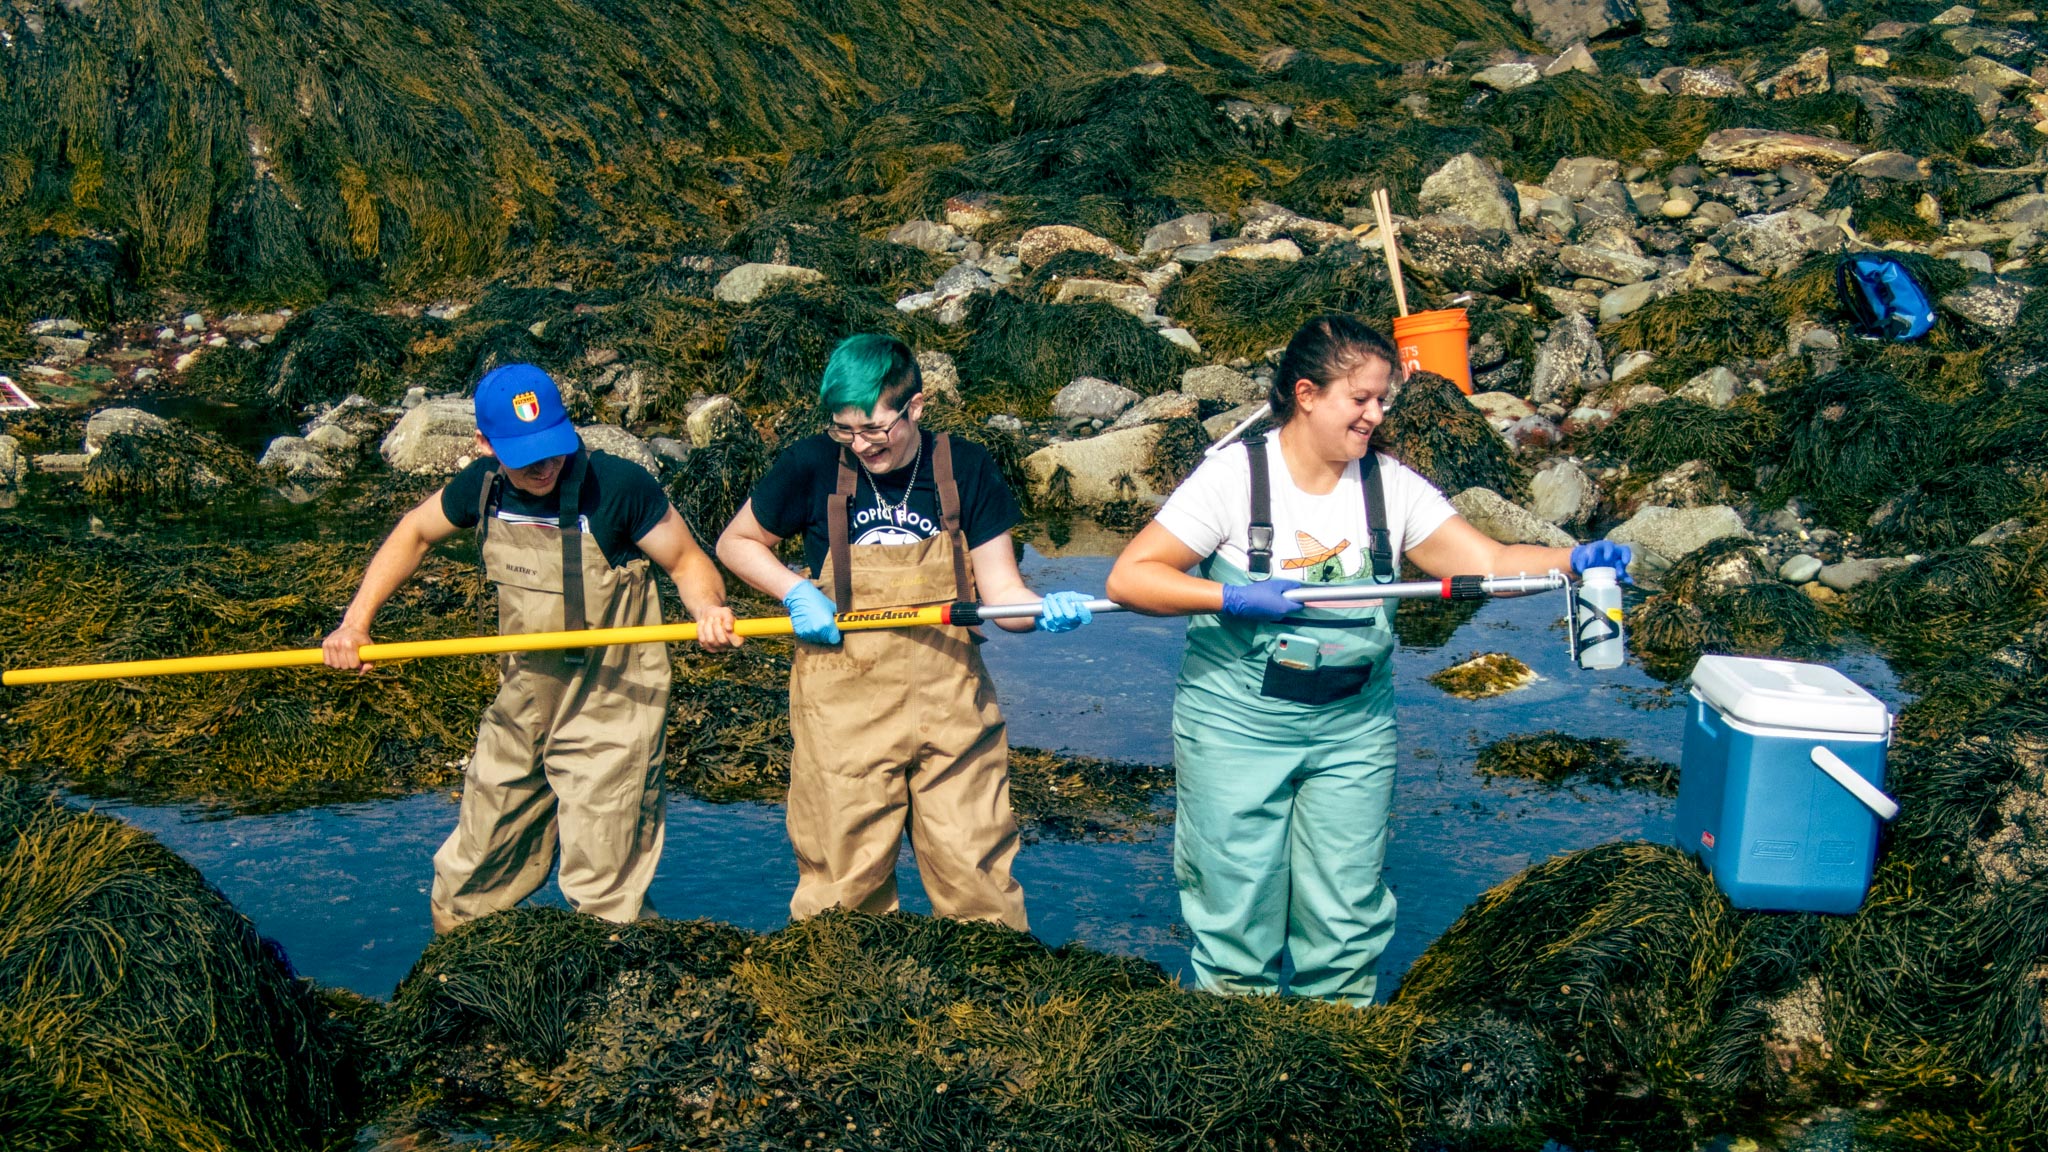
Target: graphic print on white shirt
(1316,539)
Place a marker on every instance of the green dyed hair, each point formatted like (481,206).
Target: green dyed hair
(867,370)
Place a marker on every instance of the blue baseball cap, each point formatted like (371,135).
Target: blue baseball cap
(519,410)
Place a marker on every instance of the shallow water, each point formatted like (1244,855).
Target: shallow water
(343,887)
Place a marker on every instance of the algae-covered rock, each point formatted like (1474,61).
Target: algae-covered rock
(1570,361)
(1468,187)
(621,443)
(296,458)
(1507,522)
(749,282)
(1554,758)
(436,438)
(1667,534)
(1764,150)
(1437,432)
(1486,675)
(1099,470)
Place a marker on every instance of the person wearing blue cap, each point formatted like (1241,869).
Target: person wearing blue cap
(892,728)
(569,755)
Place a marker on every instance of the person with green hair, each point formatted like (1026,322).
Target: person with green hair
(892,727)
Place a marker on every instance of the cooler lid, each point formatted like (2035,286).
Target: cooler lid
(1788,694)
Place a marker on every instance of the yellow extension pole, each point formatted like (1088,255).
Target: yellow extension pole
(464,646)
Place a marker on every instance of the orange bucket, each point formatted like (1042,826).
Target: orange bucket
(1435,342)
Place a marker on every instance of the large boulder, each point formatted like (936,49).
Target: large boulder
(1561,493)
(1132,298)
(296,458)
(1613,265)
(111,422)
(940,375)
(925,235)
(618,442)
(1092,398)
(1046,241)
(1569,362)
(1575,177)
(1766,150)
(1468,258)
(434,439)
(1660,535)
(749,282)
(1220,384)
(1468,187)
(1178,232)
(1774,243)
(1159,409)
(1098,470)
(1506,521)
(1558,23)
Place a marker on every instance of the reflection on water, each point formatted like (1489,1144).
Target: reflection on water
(344,888)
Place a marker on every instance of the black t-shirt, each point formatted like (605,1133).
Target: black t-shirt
(620,503)
(792,498)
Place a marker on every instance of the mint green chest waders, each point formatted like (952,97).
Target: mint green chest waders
(1284,758)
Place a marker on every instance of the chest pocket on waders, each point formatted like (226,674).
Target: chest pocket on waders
(1294,670)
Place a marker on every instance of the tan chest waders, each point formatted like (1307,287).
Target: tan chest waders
(569,755)
(896,727)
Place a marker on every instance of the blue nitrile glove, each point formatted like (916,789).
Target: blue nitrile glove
(1265,600)
(811,612)
(1604,554)
(1064,612)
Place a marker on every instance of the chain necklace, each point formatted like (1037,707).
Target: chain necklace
(900,511)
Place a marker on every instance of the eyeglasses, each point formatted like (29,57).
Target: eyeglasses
(845,435)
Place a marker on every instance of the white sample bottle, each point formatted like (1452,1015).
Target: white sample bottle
(1596,618)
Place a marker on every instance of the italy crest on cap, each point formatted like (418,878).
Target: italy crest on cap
(526,406)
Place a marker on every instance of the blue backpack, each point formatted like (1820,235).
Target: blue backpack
(1883,296)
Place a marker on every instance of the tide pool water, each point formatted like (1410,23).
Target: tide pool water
(344,887)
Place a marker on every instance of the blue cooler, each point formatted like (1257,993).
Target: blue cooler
(1779,785)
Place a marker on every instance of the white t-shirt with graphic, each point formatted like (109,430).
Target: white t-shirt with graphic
(1316,539)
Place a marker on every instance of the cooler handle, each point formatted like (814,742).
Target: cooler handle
(1887,809)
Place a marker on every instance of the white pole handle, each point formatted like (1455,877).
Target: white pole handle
(1886,808)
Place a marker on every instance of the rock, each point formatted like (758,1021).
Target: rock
(1248,116)
(1607,264)
(1219,384)
(1159,279)
(1888,165)
(1569,362)
(1988,302)
(1662,535)
(1810,9)
(119,422)
(940,375)
(1559,23)
(1219,425)
(1635,396)
(2000,43)
(1849,573)
(1285,250)
(447,310)
(2000,77)
(194,322)
(1534,431)
(1092,398)
(716,420)
(749,282)
(333,439)
(1046,241)
(1502,409)
(1468,186)
(63,349)
(1561,493)
(621,443)
(298,459)
(1183,338)
(1974,259)
(2029,208)
(1774,243)
(13,462)
(1693,484)
(671,451)
(1577,176)
(1503,520)
(260,324)
(1764,150)
(1508,77)
(1957,14)
(1800,569)
(2003,530)
(1717,387)
(925,235)
(1871,56)
(1624,300)
(1468,258)
(1707,83)
(1178,232)
(970,212)
(1631,363)
(435,438)
(1573,59)
(1807,76)
(1157,410)
(62,463)
(1098,470)
(1130,298)
(1278,59)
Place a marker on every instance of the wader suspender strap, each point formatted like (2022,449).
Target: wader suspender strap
(1376,518)
(1259,557)
(949,511)
(570,520)
(487,498)
(836,513)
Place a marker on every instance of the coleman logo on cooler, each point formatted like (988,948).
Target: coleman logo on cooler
(526,406)
(1707,838)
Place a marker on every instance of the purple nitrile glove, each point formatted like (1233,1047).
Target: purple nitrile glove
(1604,554)
(811,613)
(1265,600)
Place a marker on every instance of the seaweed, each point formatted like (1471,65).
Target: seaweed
(170,467)
(1023,351)
(1482,675)
(1433,429)
(1696,330)
(138,1009)
(1244,307)
(1659,437)
(1852,437)
(330,352)
(1554,758)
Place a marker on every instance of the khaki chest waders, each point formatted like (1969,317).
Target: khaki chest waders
(569,754)
(896,728)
